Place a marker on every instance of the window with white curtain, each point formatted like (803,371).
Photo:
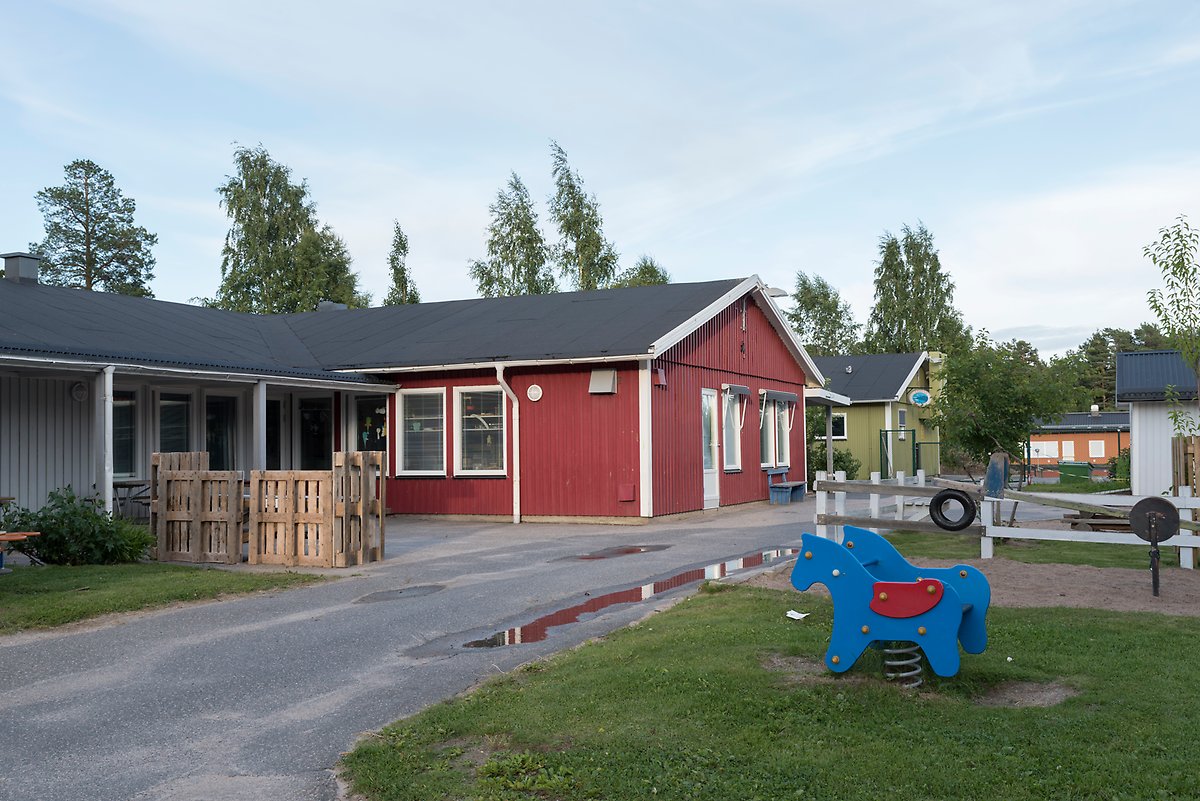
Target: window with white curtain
(423,432)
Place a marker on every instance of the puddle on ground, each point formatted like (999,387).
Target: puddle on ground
(539,629)
(395,595)
(617,550)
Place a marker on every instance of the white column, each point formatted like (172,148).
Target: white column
(645,440)
(258,460)
(987,548)
(874,510)
(516,441)
(104,437)
(1187,556)
(822,505)
(899,498)
(839,507)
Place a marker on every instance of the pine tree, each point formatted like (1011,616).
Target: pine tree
(821,318)
(645,272)
(516,263)
(402,290)
(914,299)
(91,240)
(584,257)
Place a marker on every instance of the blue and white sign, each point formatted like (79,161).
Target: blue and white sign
(920,397)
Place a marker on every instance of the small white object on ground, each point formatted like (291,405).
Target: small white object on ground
(794,615)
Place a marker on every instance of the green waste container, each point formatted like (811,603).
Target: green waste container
(1074,471)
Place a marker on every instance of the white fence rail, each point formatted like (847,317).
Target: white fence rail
(1186,541)
(891,499)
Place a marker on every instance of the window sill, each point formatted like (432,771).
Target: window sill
(480,473)
(421,474)
(732,470)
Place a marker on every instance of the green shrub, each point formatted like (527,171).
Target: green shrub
(76,531)
(1118,466)
(842,460)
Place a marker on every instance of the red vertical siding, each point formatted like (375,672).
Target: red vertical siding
(579,452)
(722,351)
(490,495)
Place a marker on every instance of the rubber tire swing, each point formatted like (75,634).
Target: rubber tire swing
(937,510)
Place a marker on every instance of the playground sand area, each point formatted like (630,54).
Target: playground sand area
(1020,584)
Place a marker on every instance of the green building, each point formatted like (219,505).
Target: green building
(886,426)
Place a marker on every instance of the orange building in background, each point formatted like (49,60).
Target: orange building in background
(1079,437)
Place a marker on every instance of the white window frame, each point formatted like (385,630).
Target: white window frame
(734,464)
(1049,449)
(1067,446)
(902,422)
(770,410)
(1095,449)
(458,438)
(845,431)
(397,432)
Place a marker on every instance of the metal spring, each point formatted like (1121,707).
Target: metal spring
(902,664)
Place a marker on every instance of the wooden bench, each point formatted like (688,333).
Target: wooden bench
(784,491)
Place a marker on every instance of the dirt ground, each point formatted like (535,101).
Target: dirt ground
(1024,585)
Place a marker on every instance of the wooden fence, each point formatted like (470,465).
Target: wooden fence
(1185,464)
(315,518)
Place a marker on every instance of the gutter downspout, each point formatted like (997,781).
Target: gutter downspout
(516,440)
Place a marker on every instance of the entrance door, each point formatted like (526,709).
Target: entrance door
(316,433)
(708,442)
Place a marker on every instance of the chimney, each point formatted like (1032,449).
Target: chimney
(21,267)
(1095,412)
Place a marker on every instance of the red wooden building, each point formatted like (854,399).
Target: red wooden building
(620,403)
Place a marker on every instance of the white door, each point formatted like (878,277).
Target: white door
(708,442)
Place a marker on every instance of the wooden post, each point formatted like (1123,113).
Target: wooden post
(822,505)
(986,546)
(839,507)
(876,478)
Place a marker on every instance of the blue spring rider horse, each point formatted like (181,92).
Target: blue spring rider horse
(879,596)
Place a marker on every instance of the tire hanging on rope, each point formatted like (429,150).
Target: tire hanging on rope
(937,511)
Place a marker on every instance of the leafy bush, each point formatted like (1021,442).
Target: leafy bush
(842,460)
(76,531)
(1118,466)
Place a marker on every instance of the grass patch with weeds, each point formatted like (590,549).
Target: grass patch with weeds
(698,703)
(40,597)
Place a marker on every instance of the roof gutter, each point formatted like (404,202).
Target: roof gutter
(421,368)
(38,362)
(516,440)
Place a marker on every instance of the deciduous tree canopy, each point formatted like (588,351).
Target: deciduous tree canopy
(585,258)
(517,252)
(821,318)
(402,290)
(646,272)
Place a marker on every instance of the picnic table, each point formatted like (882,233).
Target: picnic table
(9,537)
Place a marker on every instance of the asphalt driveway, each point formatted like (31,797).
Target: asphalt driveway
(257,697)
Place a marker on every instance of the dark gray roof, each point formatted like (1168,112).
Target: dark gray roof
(50,321)
(1145,375)
(1085,421)
(55,321)
(567,325)
(872,377)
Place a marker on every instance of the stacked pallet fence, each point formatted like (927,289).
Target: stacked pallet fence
(1185,464)
(196,514)
(319,518)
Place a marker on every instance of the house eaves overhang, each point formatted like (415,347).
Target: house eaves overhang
(491,364)
(819,396)
(159,371)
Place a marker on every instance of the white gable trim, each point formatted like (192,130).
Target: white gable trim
(756,289)
(924,357)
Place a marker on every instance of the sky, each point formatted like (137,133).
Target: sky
(1044,144)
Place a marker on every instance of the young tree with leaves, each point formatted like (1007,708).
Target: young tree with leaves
(91,240)
(995,395)
(402,290)
(646,272)
(585,258)
(1177,304)
(914,298)
(277,257)
(517,252)
(821,318)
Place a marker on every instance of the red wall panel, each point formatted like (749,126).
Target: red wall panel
(579,452)
(738,346)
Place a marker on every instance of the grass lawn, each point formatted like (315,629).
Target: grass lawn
(918,545)
(1078,486)
(38,597)
(692,704)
